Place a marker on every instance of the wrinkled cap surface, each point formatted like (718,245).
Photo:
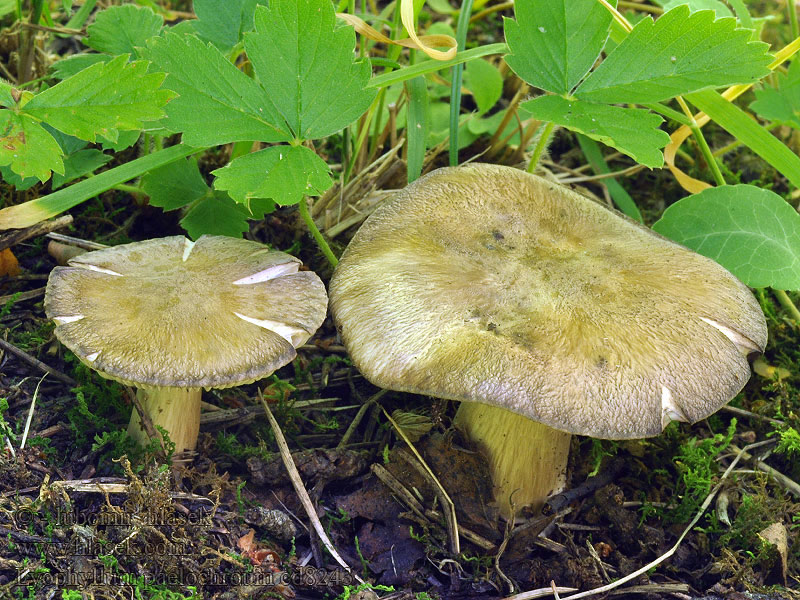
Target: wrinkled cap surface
(484,283)
(169,312)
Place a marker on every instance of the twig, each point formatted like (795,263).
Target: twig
(297,483)
(37,363)
(541,593)
(782,479)
(20,296)
(751,415)
(30,413)
(351,429)
(73,241)
(447,504)
(20,235)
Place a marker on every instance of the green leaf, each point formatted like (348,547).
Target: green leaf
(306,63)
(719,7)
(222,23)
(102,99)
(67,67)
(485,82)
(782,102)
(678,54)
(121,29)
(18,182)
(632,131)
(27,147)
(216,214)
(6,98)
(554,43)
(126,139)
(283,173)
(175,184)
(416,127)
(218,103)
(748,131)
(79,164)
(752,232)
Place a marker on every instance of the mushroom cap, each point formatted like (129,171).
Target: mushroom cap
(170,312)
(483,283)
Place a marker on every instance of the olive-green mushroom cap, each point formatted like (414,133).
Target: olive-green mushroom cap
(483,283)
(214,313)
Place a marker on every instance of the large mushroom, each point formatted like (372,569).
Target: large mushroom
(171,317)
(544,313)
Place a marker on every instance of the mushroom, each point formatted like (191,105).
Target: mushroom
(544,313)
(171,317)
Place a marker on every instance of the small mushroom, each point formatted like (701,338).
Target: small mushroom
(171,317)
(544,313)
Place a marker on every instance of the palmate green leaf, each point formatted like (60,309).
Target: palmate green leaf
(121,29)
(67,67)
(306,63)
(485,82)
(781,103)
(284,174)
(632,131)
(102,99)
(554,43)
(718,6)
(218,103)
(678,54)
(27,147)
(216,214)
(175,184)
(752,232)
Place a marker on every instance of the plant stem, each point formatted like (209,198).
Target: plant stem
(312,227)
(131,189)
(793,19)
(701,140)
(456,77)
(27,37)
(787,303)
(540,146)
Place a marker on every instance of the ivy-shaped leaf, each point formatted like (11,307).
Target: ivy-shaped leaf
(175,184)
(78,164)
(752,232)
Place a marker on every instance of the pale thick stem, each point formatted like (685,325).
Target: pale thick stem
(175,409)
(528,460)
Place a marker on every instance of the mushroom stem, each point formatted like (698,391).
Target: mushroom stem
(528,460)
(175,409)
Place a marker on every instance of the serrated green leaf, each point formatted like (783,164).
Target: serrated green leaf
(632,131)
(678,54)
(126,139)
(222,23)
(232,106)
(307,65)
(752,232)
(283,173)
(18,182)
(485,82)
(748,131)
(27,148)
(78,164)
(216,214)
(175,185)
(719,7)
(6,99)
(554,43)
(67,67)
(782,102)
(102,99)
(121,29)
